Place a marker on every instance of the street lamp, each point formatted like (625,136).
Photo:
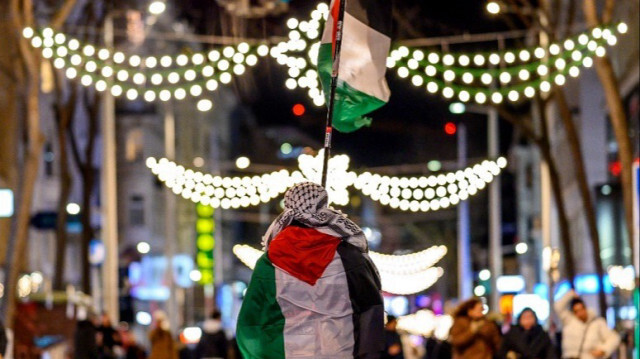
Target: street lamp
(157,7)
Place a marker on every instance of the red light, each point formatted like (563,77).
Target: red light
(615,168)
(450,128)
(298,109)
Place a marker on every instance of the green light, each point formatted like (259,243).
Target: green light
(286,148)
(206,242)
(457,108)
(205,225)
(434,165)
(204,211)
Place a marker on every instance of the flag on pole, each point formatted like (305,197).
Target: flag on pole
(361,86)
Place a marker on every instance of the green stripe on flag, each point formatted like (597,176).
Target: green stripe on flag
(260,322)
(350,104)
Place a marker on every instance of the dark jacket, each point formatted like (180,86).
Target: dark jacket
(85,340)
(213,343)
(534,343)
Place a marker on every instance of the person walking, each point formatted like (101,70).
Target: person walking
(162,345)
(213,343)
(584,334)
(393,343)
(86,346)
(527,339)
(472,336)
(315,293)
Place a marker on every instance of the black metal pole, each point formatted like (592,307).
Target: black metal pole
(332,94)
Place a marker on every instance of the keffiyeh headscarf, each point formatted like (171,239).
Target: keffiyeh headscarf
(307,203)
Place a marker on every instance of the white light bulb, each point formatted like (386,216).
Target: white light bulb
(574,71)
(89,66)
(36,42)
(62,51)
(464,60)
(478,60)
(132,94)
(587,62)
(560,64)
(480,98)
(449,75)
(190,75)
(505,77)
(165,95)
(238,69)
(467,77)
(212,85)
(569,44)
(612,40)
(139,78)
(71,73)
(539,52)
(195,90)
(432,87)
(596,33)
(576,55)
(47,53)
(464,96)
(447,92)
(448,59)
(418,55)
(622,28)
(252,60)
(74,44)
(86,80)
(173,77)
(135,61)
(116,90)
(543,70)
(180,94)
(88,50)
(28,32)
(601,51)
(509,57)
(204,105)
(122,75)
(496,97)
(524,55)
(182,60)
(403,72)
(529,91)
(433,58)
(430,70)
(494,59)
(560,80)
(118,57)
(101,85)
(417,80)
(263,50)
(513,96)
(524,74)
(156,79)
(103,54)
(106,71)
(554,49)
(486,78)
(545,86)
(223,65)
(225,77)
(149,96)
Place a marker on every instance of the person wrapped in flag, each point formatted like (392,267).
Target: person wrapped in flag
(315,293)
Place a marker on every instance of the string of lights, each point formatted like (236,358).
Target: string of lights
(416,275)
(424,193)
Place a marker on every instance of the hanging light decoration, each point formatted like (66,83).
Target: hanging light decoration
(414,194)
(405,282)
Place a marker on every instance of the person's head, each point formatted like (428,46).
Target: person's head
(392,322)
(306,197)
(579,309)
(104,319)
(471,308)
(216,315)
(527,318)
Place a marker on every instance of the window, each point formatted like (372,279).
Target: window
(136,210)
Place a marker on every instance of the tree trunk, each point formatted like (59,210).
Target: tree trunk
(618,120)
(585,193)
(64,112)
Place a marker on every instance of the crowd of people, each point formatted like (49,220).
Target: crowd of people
(473,336)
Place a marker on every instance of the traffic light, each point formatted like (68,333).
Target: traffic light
(450,128)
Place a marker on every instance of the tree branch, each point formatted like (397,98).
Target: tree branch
(62,14)
(607,13)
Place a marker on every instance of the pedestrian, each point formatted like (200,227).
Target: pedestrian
(472,336)
(3,341)
(85,344)
(584,335)
(392,342)
(315,293)
(108,338)
(527,339)
(213,343)
(162,345)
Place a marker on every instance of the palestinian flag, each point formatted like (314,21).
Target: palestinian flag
(361,86)
(311,295)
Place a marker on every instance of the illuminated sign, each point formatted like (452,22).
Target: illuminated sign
(6,202)
(205,243)
(510,283)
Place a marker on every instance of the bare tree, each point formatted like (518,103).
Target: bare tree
(20,15)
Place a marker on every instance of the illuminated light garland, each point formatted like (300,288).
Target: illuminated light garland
(414,194)
(392,281)
(135,76)
(426,324)
(443,75)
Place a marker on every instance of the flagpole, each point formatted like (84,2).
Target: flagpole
(332,94)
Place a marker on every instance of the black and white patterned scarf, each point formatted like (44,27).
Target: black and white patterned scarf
(306,203)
